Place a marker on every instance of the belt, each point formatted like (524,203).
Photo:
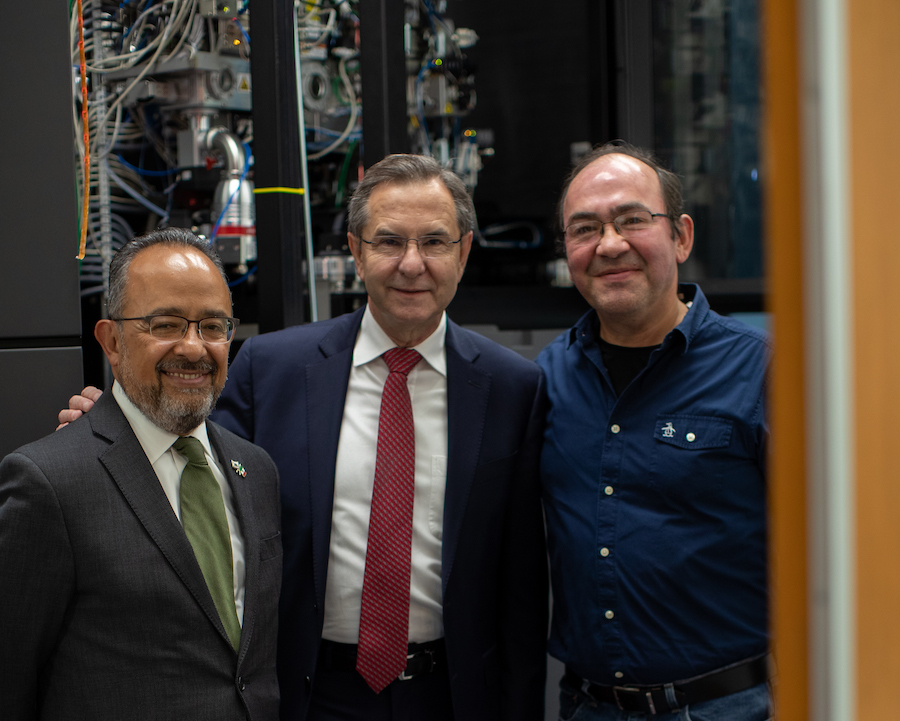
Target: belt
(422,658)
(668,697)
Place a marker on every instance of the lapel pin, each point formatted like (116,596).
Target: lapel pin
(239,469)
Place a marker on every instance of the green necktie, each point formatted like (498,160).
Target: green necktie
(204,521)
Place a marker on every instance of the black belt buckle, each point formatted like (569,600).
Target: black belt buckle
(632,698)
(415,657)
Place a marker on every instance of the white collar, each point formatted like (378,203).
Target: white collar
(372,342)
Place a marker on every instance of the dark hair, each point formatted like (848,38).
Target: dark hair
(669,183)
(405,170)
(118,268)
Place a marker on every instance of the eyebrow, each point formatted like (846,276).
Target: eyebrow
(207,313)
(386,231)
(614,212)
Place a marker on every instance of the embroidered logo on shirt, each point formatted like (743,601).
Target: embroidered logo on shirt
(668,430)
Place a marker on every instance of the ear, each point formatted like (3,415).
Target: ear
(684,240)
(107,334)
(356,250)
(465,247)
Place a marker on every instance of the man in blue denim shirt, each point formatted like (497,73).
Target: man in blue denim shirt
(653,467)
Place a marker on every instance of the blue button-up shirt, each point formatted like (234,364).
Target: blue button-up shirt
(655,502)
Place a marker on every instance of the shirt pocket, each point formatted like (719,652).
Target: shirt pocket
(694,432)
(691,454)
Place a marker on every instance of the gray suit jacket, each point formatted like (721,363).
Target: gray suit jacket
(104,612)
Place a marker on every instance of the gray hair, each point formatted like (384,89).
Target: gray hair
(669,182)
(118,268)
(407,170)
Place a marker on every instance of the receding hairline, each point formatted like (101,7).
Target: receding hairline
(171,248)
(174,248)
(121,261)
(650,168)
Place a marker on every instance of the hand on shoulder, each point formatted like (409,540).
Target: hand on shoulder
(79,405)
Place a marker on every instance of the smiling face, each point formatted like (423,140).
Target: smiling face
(631,284)
(407,295)
(174,384)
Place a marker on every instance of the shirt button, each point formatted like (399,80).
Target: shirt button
(691,437)
(619,674)
(608,490)
(615,428)
(604,552)
(609,614)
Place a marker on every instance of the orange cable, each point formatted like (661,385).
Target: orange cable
(86,188)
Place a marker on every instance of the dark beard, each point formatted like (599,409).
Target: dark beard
(176,414)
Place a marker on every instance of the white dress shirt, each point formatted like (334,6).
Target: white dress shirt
(169,463)
(355,479)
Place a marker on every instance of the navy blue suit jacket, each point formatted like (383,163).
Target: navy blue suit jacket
(286,392)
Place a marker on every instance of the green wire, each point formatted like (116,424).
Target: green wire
(342,178)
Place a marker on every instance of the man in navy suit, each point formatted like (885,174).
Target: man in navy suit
(310,395)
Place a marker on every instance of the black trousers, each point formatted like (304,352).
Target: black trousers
(344,696)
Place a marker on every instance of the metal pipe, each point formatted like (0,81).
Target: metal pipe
(220,138)
(307,213)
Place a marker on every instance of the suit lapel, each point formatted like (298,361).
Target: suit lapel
(326,384)
(247,518)
(468,389)
(131,471)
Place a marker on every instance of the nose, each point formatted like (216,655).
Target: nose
(191,346)
(412,262)
(611,243)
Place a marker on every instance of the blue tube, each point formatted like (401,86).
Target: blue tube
(238,281)
(148,173)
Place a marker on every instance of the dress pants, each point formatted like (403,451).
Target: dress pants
(345,696)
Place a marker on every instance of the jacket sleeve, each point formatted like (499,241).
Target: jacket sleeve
(234,409)
(524,603)
(37,576)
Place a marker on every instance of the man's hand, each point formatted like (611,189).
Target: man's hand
(79,405)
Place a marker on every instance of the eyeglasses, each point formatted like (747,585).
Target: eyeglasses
(629,225)
(173,327)
(431,246)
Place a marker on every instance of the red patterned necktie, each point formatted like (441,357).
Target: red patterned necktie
(384,616)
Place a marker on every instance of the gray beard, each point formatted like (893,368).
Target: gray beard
(176,414)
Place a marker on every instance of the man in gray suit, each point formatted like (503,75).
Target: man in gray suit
(138,581)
